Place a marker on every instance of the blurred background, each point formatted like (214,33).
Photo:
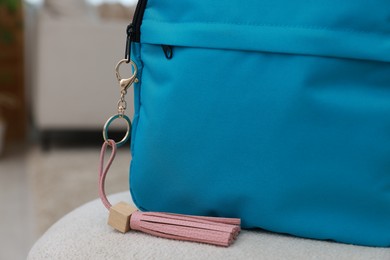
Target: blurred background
(57,88)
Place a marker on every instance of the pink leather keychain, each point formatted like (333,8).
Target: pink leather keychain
(124,217)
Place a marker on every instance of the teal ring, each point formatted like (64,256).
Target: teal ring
(109,122)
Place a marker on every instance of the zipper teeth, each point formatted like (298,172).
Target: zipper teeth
(137,20)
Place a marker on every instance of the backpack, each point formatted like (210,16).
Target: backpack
(275,112)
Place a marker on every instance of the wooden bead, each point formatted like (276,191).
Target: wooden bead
(119,217)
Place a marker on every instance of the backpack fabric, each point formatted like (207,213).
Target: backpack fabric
(275,112)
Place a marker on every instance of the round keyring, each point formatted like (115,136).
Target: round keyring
(108,123)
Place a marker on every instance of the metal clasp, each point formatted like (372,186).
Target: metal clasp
(127,82)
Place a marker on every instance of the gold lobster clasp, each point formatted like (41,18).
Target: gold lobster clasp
(127,82)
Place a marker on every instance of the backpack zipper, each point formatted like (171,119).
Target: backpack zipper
(133,32)
(137,20)
(133,29)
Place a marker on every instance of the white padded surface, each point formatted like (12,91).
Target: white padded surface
(84,234)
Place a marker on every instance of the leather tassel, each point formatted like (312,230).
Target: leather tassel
(123,217)
(216,231)
(188,228)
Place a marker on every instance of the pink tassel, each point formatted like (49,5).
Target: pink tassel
(216,231)
(211,230)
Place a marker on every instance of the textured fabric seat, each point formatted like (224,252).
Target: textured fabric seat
(84,234)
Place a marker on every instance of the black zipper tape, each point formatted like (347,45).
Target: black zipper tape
(137,20)
(133,30)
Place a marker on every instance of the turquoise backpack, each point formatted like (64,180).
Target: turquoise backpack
(276,112)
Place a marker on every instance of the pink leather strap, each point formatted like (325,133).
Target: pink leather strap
(103,170)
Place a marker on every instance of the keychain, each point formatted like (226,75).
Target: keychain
(124,217)
(124,84)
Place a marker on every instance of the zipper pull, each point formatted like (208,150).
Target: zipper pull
(129,32)
(167,49)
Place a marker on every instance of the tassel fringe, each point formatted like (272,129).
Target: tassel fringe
(216,231)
